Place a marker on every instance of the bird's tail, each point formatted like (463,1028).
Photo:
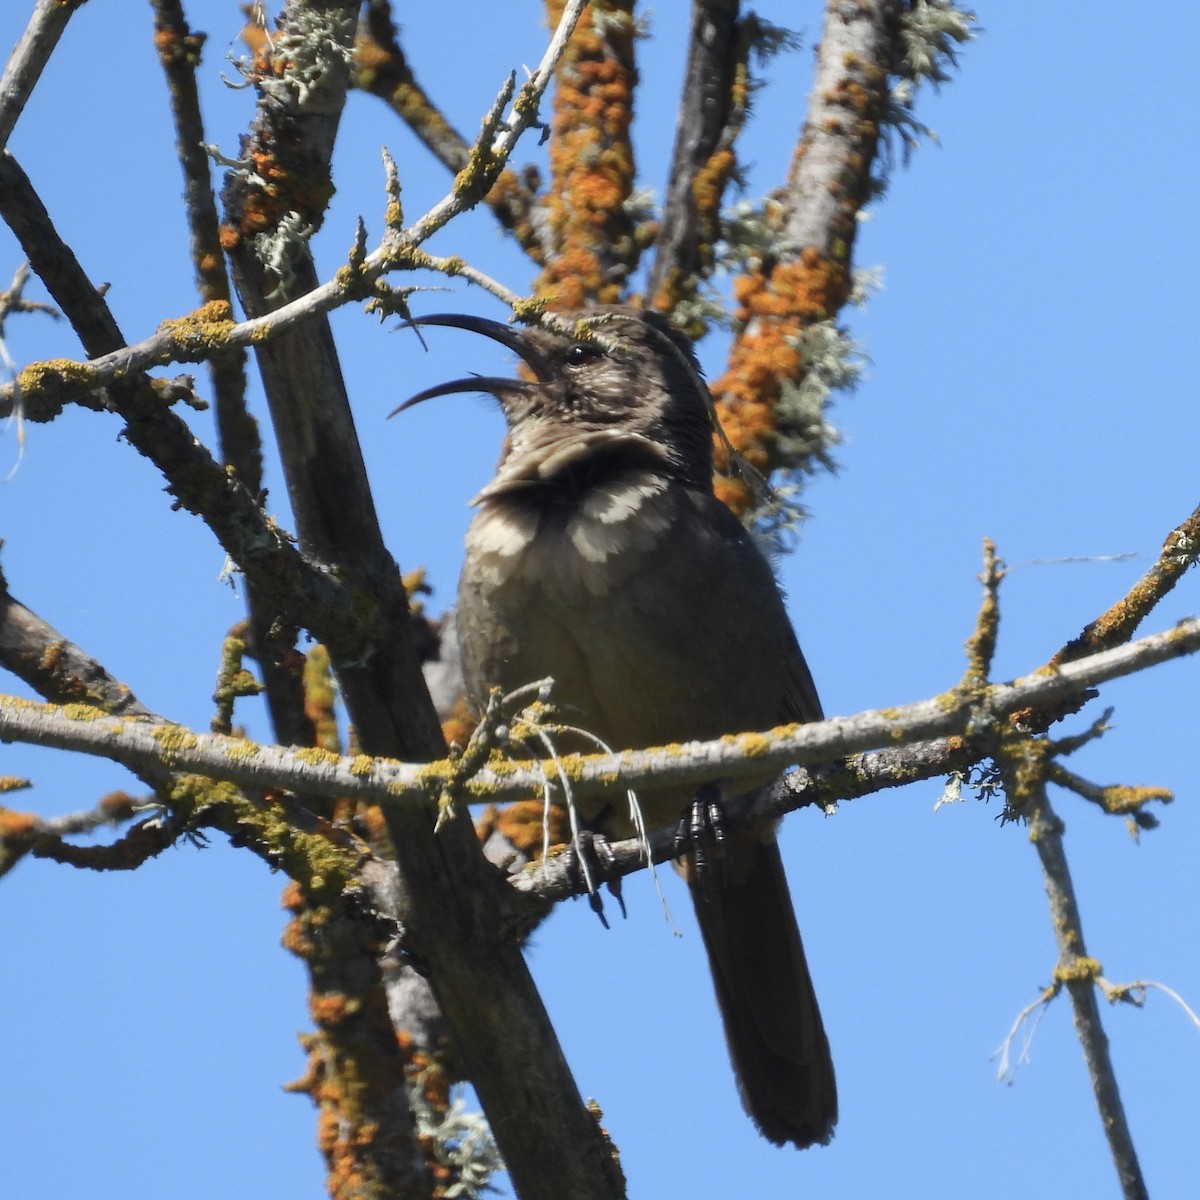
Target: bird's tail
(772,1022)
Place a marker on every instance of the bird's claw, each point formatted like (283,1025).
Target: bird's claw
(700,836)
(592,861)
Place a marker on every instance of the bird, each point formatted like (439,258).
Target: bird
(599,556)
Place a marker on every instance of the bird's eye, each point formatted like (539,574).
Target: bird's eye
(582,353)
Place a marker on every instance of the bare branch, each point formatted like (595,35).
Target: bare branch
(383,70)
(1025,1024)
(29,57)
(1075,970)
(55,667)
(702,162)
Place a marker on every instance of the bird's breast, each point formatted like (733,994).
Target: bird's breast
(571,549)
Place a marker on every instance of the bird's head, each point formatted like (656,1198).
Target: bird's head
(624,383)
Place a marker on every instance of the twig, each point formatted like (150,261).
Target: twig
(198,335)
(1116,992)
(1077,971)
(383,71)
(1180,550)
(1008,1068)
(26,833)
(29,57)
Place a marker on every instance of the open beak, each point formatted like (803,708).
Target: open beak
(506,335)
(492,385)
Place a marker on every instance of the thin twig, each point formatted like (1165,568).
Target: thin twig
(1116,992)
(1078,973)
(384,71)
(195,336)
(29,57)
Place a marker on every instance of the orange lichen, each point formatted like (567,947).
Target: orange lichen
(591,161)
(774,307)
(356,1067)
(17,826)
(525,825)
(459,724)
(329,1009)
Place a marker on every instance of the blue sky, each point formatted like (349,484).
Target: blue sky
(1030,379)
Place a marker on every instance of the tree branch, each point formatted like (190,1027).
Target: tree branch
(592,244)
(977,715)
(1180,550)
(383,70)
(270,638)
(197,335)
(557,877)
(1022,767)
(29,57)
(445,894)
(702,162)
(54,666)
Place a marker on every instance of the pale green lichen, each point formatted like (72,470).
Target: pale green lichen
(315,54)
(460,1140)
(930,33)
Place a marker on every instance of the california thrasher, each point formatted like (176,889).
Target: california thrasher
(600,557)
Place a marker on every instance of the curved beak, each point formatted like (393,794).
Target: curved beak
(506,335)
(515,339)
(492,385)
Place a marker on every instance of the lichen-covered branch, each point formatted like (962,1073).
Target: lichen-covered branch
(55,667)
(591,238)
(271,637)
(787,354)
(806,279)
(980,713)
(1180,550)
(200,484)
(23,833)
(823,785)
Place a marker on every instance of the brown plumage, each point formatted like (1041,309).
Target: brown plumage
(600,557)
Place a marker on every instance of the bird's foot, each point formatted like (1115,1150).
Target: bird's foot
(700,837)
(592,864)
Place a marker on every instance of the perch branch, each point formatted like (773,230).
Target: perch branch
(975,714)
